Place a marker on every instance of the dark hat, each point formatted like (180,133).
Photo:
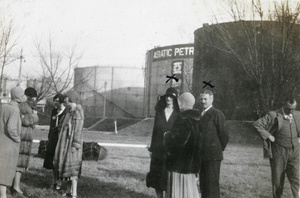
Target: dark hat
(172,91)
(60,97)
(31,92)
(17,94)
(73,96)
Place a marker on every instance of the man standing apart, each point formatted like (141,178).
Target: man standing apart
(280,131)
(214,141)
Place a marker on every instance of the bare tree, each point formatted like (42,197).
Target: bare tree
(7,43)
(57,68)
(265,48)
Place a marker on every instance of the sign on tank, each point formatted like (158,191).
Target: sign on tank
(175,51)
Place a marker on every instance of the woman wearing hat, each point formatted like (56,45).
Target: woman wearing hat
(10,129)
(68,153)
(167,111)
(29,118)
(57,117)
(183,144)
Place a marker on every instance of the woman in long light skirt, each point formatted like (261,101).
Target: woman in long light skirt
(183,144)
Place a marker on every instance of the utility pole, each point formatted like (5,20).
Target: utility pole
(105,83)
(20,69)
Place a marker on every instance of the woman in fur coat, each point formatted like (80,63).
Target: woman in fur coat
(183,147)
(68,153)
(29,118)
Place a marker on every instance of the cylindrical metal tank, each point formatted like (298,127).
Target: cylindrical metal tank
(110,91)
(167,61)
(241,60)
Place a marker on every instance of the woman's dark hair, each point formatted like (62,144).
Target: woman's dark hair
(30,92)
(60,97)
(162,104)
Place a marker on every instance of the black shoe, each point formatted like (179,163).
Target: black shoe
(67,194)
(18,194)
(14,192)
(27,194)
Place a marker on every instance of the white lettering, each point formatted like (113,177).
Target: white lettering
(169,52)
(184,51)
(191,51)
(181,52)
(177,50)
(163,53)
(156,54)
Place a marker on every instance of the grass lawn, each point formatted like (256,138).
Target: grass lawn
(244,173)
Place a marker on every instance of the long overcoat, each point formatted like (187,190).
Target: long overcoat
(10,128)
(68,154)
(158,175)
(29,119)
(54,130)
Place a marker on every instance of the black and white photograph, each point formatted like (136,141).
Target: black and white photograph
(150,99)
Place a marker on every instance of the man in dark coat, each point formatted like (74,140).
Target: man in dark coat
(280,131)
(214,141)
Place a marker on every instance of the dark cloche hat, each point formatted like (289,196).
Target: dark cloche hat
(172,91)
(31,92)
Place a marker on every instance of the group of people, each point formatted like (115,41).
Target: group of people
(65,142)
(64,151)
(17,121)
(187,145)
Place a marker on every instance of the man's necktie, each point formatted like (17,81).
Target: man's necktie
(202,113)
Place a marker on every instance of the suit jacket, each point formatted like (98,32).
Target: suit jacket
(214,135)
(271,123)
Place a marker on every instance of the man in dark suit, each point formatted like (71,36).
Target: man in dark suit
(214,141)
(280,131)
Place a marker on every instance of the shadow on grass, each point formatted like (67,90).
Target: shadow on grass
(125,173)
(38,184)
(131,156)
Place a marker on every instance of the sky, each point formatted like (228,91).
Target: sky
(105,32)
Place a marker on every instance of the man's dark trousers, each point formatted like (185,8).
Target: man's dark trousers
(285,161)
(209,179)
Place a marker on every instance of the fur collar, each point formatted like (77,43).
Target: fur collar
(191,113)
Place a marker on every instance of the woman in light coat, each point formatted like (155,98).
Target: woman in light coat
(10,129)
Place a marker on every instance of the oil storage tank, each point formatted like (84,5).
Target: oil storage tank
(173,61)
(243,61)
(110,91)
